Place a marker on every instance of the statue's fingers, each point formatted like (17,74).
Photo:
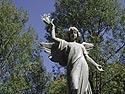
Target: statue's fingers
(52,21)
(101,69)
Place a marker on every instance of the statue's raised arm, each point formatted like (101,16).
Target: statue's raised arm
(52,48)
(47,20)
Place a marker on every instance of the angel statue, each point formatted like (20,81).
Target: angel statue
(74,56)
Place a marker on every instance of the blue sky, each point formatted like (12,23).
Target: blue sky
(36,8)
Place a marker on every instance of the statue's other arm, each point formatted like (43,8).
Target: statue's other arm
(99,67)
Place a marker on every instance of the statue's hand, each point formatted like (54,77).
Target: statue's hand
(46,18)
(52,22)
(99,67)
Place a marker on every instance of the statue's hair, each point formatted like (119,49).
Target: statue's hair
(68,34)
(73,28)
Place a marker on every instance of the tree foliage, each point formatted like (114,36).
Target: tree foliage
(57,84)
(21,69)
(101,22)
(114,79)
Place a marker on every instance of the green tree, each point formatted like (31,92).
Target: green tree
(100,22)
(114,82)
(57,84)
(21,68)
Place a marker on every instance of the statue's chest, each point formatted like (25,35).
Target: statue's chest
(75,46)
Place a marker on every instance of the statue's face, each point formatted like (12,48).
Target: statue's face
(73,35)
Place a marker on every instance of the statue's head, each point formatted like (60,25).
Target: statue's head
(73,34)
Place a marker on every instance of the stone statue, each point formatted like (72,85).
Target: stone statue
(73,55)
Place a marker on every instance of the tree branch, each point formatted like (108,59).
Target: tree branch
(115,52)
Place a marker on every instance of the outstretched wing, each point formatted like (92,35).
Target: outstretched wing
(54,54)
(47,47)
(88,46)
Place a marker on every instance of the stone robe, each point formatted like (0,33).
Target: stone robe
(77,67)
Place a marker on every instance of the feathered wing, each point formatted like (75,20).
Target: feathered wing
(88,46)
(47,47)
(54,54)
